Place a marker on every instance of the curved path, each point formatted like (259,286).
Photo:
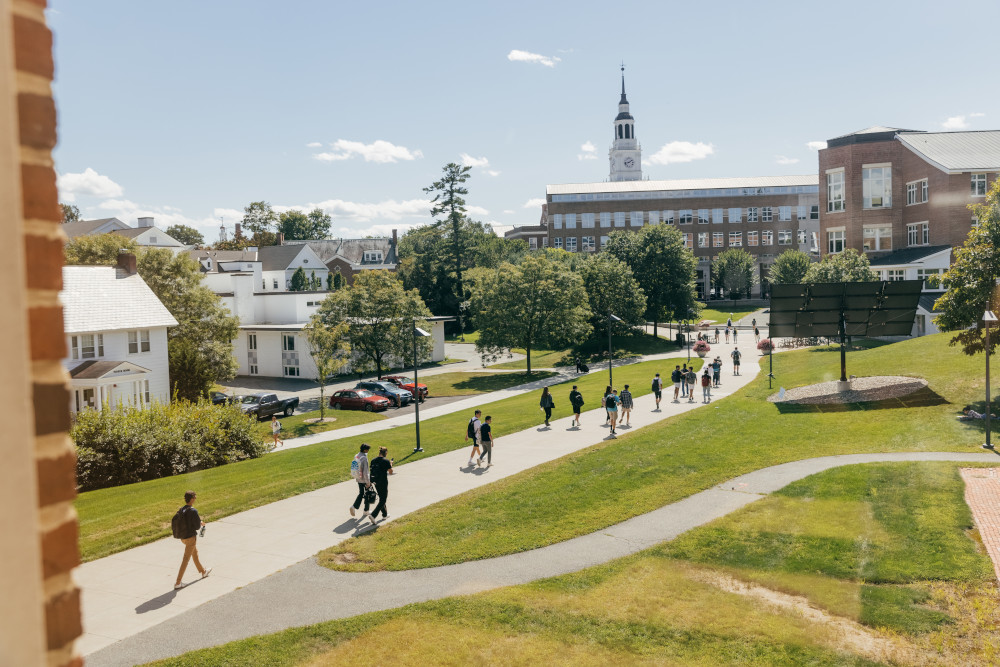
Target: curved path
(308,593)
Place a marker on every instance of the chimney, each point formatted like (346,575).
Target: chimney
(281,238)
(145,222)
(394,238)
(126,261)
(238,234)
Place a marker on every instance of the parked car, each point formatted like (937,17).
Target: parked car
(358,399)
(396,395)
(219,398)
(406,383)
(263,406)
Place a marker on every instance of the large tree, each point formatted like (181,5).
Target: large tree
(70,213)
(259,219)
(536,303)
(299,226)
(849,266)
(611,288)
(734,271)
(330,351)
(186,235)
(789,268)
(448,209)
(380,315)
(319,223)
(98,249)
(971,280)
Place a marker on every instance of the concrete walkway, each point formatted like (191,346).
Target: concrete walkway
(308,593)
(131,591)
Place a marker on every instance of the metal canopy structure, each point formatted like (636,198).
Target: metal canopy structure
(883,308)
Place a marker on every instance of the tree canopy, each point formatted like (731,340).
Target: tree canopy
(330,351)
(611,288)
(734,272)
(70,213)
(97,249)
(299,226)
(789,268)
(186,235)
(260,220)
(448,209)
(849,266)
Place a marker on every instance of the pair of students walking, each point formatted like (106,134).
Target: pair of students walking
(373,482)
(481,434)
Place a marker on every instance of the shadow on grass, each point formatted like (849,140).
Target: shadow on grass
(496,381)
(921,398)
(854,346)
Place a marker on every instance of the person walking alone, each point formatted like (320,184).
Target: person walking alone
(716,371)
(692,380)
(576,400)
(706,387)
(626,400)
(734,335)
(611,405)
(486,439)
(364,480)
(191,522)
(546,404)
(675,377)
(472,431)
(381,468)
(657,390)
(276,430)
(727,333)
(736,354)
(684,381)
(756,334)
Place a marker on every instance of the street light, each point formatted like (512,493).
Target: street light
(988,317)
(417,331)
(687,333)
(611,320)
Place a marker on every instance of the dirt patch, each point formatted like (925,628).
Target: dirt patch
(317,420)
(345,558)
(862,390)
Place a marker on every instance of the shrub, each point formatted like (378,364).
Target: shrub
(764,345)
(701,346)
(122,445)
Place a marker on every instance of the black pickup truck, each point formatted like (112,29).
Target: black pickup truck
(263,406)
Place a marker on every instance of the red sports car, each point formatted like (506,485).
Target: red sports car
(358,399)
(406,383)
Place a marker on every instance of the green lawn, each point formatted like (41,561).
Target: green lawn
(624,347)
(643,470)
(722,316)
(470,337)
(296,426)
(880,545)
(464,384)
(115,519)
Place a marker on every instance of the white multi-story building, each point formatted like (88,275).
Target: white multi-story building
(146,234)
(116,336)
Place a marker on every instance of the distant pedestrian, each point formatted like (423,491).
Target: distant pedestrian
(734,334)
(675,377)
(611,405)
(735,354)
(706,387)
(486,439)
(753,323)
(472,431)
(381,468)
(364,479)
(604,404)
(756,334)
(716,335)
(684,380)
(729,322)
(692,380)
(546,404)
(579,366)
(657,390)
(276,431)
(576,400)
(188,532)
(727,333)
(626,400)
(717,371)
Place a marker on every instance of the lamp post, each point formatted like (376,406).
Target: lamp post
(612,318)
(417,331)
(988,318)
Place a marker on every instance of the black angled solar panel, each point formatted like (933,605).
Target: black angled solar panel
(870,309)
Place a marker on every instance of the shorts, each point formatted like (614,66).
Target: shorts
(576,409)
(612,410)
(658,393)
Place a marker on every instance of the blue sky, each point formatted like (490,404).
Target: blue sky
(188,111)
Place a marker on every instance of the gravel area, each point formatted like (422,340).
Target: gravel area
(863,390)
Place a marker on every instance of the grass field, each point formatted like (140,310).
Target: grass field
(296,426)
(879,553)
(721,317)
(646,469)
(471,383)
(119,518)
(469,338)
(624,347)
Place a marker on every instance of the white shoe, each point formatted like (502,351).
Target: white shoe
(365,514)
(373,520)
(479,463)
(352,510)
(471,463)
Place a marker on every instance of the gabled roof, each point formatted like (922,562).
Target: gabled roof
(353,251)
(134,232)
(93,370)
(106,298)
(927,302)
(278,257)
(956,151)
(217,256)
(86,227)
(908,255)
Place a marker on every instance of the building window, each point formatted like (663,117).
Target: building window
(370,257)
(718,240)
(275,283)
(619,218)
(835,191)
(923,190)
(252,353)
(557,242)
(605,219)
(703,216)
(767,237)
(784,213)
(587,244)
(802,237)
(918,234)
(685,216)
(289,356)
(979,185)
(557,221)
(735,215)
(87,346)
(752,214)
(571,243)
(569,219)
(923,274)
(803,212)
(545,241)
(835,242)
(785,237)
(587,220)
(814,243)
(604,241)
(766,215)
(814,212)
(735,239)
(702,239)
(668,217)
(689,240)
(876,187)
(894,275)
(877,238)
(138,341)
(752,239)
(532,243)
(636,219)
(654,217)
(717,216)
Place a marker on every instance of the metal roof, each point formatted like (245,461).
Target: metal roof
(86,227)
(687,184)
(105,298)
(956,151)
(908,255)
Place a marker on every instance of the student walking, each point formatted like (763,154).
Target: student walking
(735,354)
(611,404)
(363,477)
(604,404)
(472,431)
(729,322)
(576,400)
(675,377)
(753,323)
(187,531)
(706,387)
(716,335)
(734,334)
(692,380)
(684,381)
(546,404)
(276,430)
(756,334)
(626,400)
(657,390)
(486,439)
(381,468)
(727,333)
(717,371)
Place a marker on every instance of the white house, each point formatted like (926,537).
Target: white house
(145,234)
(918,263)
(116,335)
(278,264)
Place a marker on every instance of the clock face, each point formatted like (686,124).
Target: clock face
(629,162)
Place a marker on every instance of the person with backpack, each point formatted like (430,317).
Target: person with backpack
(611,405)
(756,333)
(684,380)
(185,525)
(657,390)
(604,404)
(486,438)
(381,468)
(706,387)
(727,333)
(362,475)
(626,400)
(546,404)
(717,371)
(276,430)
(736,354)
(675,377)
(576,400)
(716,335)
(735,333)
(472,431)
(692,380)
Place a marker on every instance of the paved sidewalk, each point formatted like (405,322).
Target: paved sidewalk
(308,593)
(982,493)
(131,591)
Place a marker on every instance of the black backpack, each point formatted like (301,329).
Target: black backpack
(471,430)
(179,523)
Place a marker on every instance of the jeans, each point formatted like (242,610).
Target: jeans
(190,551)
(487,448)
(684,388)
(361,496)
(548,415)
(383,495)
(706,393)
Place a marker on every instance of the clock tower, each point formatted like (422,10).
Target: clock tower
(626,153)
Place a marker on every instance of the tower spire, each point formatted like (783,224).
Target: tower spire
(624,100)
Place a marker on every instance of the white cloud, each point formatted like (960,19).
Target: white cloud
(389,209)
(681,151)
(477,210)
(586,156)
(88,183)
(378,151)
(534,203)
(314,144)
(955,123)
(784,159)
(492,172)
(508,211)
(469,161)
(588,151)
(528,57)
(815,145)
(977,114)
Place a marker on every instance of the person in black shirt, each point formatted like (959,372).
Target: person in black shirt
(190,538)
(381,468)
(486,438)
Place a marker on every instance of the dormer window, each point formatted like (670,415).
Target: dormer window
(373,257)
(208,263)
